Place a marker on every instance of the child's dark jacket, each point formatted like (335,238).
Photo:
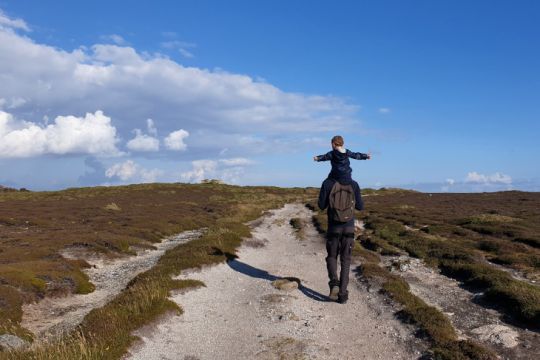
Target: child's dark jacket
(341,166)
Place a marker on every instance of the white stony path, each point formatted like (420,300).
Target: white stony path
(54,316)
(240,315)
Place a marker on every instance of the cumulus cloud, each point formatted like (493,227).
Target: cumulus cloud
(124,171)
(175,140)
(143,142)
(129,171)
(202,169)
(384,110)
(227,170)
(127,84)
(497,178)
(92,134)
(229,114)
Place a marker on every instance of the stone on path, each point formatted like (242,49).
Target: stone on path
(284,284)
(497,334)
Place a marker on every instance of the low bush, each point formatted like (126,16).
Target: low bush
(516,298)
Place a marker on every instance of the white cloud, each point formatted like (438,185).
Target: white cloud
(115,38)
(202,169)
(92,134)
(176,44)
(143,142)
(185,53)
(127,85)
(181,46)
(125,171)
(129,171)
(175,140)
(151,127)
(236,162)
(7,22)
(449,183)
(15,103)
(497,178)
(227,170)
(384,110)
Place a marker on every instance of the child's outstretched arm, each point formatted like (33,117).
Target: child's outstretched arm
(358,155)
(325,157)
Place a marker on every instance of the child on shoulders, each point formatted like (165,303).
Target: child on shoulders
(339,159)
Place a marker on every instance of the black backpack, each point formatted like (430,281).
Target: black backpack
(342,201)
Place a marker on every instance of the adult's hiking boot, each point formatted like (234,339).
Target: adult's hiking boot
(334,291)
(342,299)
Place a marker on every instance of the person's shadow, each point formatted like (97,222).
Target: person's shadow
(241,267)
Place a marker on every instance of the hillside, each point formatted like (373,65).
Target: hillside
(435,258)
(463,266)
(116,222)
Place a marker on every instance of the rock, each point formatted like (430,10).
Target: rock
(112,207)
(284,284)
(289,315)
(402,264)
(404,267)
(497,334)
(8,341)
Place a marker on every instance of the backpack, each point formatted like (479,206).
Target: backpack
(342,201)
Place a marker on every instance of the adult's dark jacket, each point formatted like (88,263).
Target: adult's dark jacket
(324,200)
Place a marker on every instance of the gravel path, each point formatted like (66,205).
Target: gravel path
(240,315)
(53,316)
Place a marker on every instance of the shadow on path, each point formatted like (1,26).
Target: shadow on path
(249,270)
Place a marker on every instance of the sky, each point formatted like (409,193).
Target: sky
(444,94)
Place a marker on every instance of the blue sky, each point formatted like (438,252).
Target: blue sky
(444,93)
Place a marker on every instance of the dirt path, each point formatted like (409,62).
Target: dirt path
(53,316)
(240,315)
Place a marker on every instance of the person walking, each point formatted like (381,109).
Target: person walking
(341,195)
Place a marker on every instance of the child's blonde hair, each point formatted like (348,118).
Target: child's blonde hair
(337,140)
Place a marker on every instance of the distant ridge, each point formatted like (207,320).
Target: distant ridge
(8,189)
